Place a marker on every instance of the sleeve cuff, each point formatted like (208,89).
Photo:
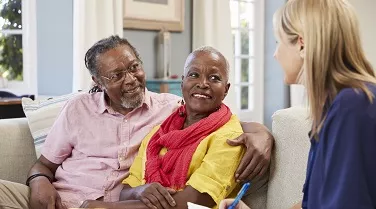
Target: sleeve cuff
(205,184)
(132,181)
(49,156)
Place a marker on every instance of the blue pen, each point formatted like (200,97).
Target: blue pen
(240,195)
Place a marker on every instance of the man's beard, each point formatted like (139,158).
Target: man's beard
(134,101)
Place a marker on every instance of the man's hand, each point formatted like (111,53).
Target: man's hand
(259,143)
(155,196)
(44,195)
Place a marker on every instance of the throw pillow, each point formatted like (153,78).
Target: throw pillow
(41,114)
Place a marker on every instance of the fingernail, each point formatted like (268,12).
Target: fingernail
(238,181)
(237,175)
(174,203)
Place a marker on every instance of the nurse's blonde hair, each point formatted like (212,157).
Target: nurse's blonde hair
(333,56)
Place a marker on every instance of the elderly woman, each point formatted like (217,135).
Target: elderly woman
(188,152)
(186,158)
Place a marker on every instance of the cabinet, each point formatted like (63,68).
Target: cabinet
(172,86)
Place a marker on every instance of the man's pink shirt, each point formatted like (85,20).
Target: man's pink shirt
(96,145)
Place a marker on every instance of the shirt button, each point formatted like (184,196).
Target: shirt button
(126,121)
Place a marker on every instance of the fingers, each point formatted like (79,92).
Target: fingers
(249,169)
(167,196)
(244,163)
(263,171)
(171,191)
(155,201)
(166,192)
(237,141)
(148,203)
(161,199)
(51,203)
(59,204)
(156,196)
(254,173)
(225,203)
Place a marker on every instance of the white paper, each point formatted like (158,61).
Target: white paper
(195,206)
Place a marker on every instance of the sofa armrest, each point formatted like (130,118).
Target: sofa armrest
(289,159)
(17,152)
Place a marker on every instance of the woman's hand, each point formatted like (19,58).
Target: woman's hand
(259,143)
(227,202)
(155,196)
(297,206)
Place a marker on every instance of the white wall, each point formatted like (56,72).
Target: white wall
(367,16)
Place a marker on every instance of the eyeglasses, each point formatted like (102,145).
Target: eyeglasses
(120,75)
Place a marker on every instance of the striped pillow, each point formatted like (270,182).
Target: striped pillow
(41,114)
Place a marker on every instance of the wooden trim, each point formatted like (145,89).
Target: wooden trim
(144,24)
(10,101)
(130,23)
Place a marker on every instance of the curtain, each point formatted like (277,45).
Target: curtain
(212,27)
(92,21)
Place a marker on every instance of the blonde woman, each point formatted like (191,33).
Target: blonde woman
(319,46)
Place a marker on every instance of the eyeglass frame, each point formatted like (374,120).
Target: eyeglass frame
(110,80)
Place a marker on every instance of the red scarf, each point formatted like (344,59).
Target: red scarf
(171,169)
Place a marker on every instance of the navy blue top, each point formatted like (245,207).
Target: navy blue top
(341,171)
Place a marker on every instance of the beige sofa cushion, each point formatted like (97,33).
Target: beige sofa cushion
(17,153)
(288,168)
(41,114)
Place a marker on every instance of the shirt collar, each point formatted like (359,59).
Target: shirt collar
(147,98)
(102,105)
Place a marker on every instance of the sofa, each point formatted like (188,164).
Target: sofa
(287,173)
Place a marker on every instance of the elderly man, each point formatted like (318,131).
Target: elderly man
(95,138)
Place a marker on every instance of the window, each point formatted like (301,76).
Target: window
(247,23)
(18,46)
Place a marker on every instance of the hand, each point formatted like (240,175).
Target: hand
(227,202)
(155,196)
(297,206)
(256,160)
(96,204)
(44,195)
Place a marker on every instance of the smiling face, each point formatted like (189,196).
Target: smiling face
(125,90)
(205,82)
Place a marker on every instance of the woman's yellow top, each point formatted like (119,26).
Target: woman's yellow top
(213,164)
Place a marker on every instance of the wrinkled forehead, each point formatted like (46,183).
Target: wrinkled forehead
(119,57)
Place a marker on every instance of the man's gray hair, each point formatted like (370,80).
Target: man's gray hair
(206,49)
